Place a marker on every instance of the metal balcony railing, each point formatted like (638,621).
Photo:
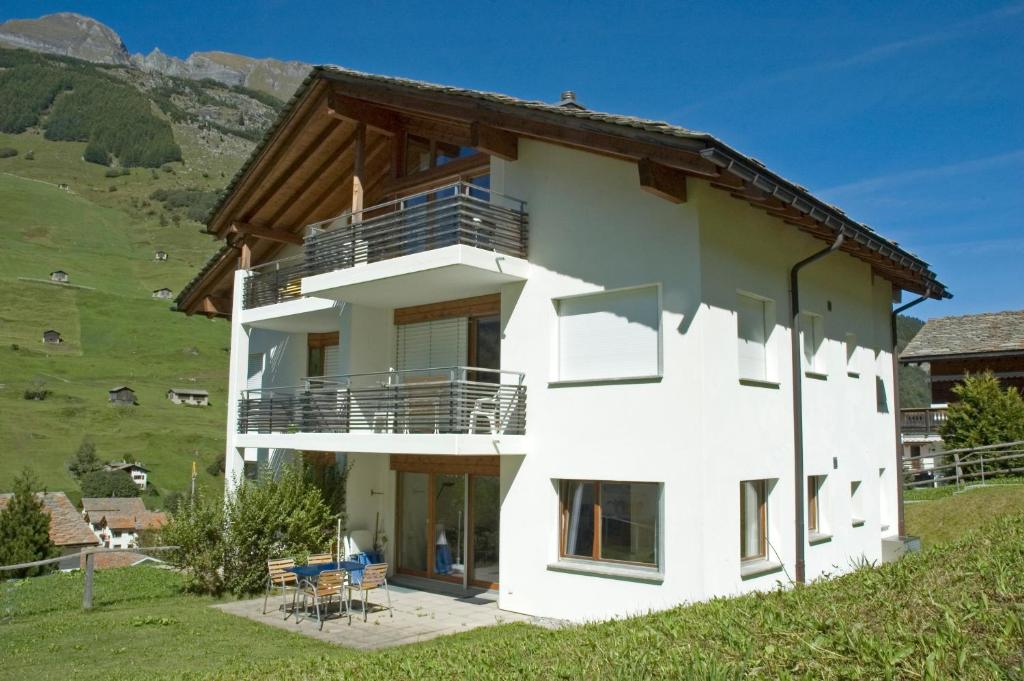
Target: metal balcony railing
(463,400)
(274,282)
(457,213)
(922,422)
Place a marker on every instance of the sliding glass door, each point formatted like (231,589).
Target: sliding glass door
(448,527)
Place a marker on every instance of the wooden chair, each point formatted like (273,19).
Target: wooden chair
(329,584)
(375,576)
(279,577)
(320,559)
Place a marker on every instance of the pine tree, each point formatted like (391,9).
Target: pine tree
(25,529)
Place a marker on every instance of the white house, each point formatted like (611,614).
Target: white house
(189,396)
(556,347)
(139,473)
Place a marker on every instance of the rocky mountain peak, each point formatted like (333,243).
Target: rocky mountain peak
(67,34)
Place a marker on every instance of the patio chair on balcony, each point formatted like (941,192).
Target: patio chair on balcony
(330,584)
(278,577)
(421,398)
(491,410)
(374,577)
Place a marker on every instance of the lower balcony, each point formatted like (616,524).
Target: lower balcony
(922,423)
(452,410)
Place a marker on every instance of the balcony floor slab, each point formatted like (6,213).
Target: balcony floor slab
(389,443)
(301,314)
(419,278)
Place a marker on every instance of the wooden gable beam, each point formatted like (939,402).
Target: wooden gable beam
(313,178)
(215,305)
(256,232)
(340,106)
(500,143)
(661,180)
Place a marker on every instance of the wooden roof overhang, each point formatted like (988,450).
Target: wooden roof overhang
(303,171)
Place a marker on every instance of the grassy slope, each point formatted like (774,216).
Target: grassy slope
(115,333)
(950,612)
(938,515)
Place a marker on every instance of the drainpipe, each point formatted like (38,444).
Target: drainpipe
(798,402)
(896,406)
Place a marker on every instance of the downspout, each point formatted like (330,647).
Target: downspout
(896,406)
(798,402)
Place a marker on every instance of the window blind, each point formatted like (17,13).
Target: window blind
(254,373)
(609,335)
(428,345)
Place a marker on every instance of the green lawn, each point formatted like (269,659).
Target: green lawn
(953,611)
(115,334)
(940,514)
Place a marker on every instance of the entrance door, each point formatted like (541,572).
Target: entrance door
(448,527)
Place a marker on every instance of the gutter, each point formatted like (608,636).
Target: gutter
(798,404)
(896,407)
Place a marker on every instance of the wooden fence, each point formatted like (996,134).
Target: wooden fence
(89,555)
(964,466)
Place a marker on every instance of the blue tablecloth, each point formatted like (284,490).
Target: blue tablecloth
(354,569)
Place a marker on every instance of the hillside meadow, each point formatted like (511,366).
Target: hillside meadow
(114,332)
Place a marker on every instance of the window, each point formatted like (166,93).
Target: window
(610,335)
(851,355)
(610,521)
(754,321)
(856,503)
(812,337)
(814,516)
(754,520)
(429,345)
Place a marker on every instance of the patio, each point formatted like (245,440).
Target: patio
(418,616)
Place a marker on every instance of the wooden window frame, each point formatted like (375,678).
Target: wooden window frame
(595,553)
(762,518)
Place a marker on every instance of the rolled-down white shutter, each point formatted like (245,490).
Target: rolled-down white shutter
(752,336)
(332,361)
(435,344)
(612,334)
(254,373)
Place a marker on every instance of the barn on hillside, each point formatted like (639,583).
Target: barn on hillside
(52,337)
(60,276)
(122,395)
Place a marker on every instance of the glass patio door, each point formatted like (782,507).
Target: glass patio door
(413,522)
(449,535)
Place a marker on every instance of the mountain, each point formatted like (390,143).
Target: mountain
(67,34)
(73,35)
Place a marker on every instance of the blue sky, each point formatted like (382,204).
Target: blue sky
(909,116)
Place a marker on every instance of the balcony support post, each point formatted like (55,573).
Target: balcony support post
(359,172)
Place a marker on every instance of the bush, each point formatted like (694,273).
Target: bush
(85,460)
(8,152)
(37,391)
(197,529)
(94,153)
(228,550)
(984,414)
(108,484)
(30,155)
(117,172)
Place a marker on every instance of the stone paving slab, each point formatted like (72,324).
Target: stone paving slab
(417,616)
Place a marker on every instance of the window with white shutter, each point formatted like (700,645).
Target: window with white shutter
(754,321)
(610,335)
(254,373)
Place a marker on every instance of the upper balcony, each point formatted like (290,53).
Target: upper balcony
(448,410)
(453,241)
(922,423)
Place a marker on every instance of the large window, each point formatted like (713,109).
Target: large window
(610,521)
(754,520)
(754,321)
(610,335)
(812,332)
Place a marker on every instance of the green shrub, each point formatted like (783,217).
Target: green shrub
(196,527)
(85,460)
(30,155)
(8,152)
(94,153)
(108,484)
(983,414)
(227,550)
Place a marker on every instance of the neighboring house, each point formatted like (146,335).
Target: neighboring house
(117,521)
(199,398)
(60,276)
(51,337)
(135,469)
(163,294)
(590,384)
(67,529)
(160,256)
(122,395)
(950,348)
(107,561)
